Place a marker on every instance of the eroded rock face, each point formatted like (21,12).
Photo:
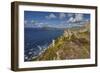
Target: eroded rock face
(73,44)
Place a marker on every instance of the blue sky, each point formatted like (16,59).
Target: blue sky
(34,19)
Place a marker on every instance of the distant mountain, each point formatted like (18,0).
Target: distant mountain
(49,28)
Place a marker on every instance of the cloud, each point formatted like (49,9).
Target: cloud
(78,18)
(29,23)
(71,19)
(51,16)
(70,14)
(62,15)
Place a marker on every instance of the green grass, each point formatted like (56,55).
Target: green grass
(71,47)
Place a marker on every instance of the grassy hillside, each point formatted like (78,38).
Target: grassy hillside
(73,44)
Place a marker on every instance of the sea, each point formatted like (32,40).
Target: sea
(38,39)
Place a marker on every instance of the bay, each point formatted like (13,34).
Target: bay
(37,39)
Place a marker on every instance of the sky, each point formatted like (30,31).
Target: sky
(36,19)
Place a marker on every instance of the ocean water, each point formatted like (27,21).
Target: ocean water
(37,39)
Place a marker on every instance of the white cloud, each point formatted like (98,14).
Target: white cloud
(62,15)
(51,16)
(77,18)
(30,23)
(71,19)
(70,14)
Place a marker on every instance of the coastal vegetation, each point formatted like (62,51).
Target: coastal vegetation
(73,44)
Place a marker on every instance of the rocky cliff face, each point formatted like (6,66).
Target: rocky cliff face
(73,44)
